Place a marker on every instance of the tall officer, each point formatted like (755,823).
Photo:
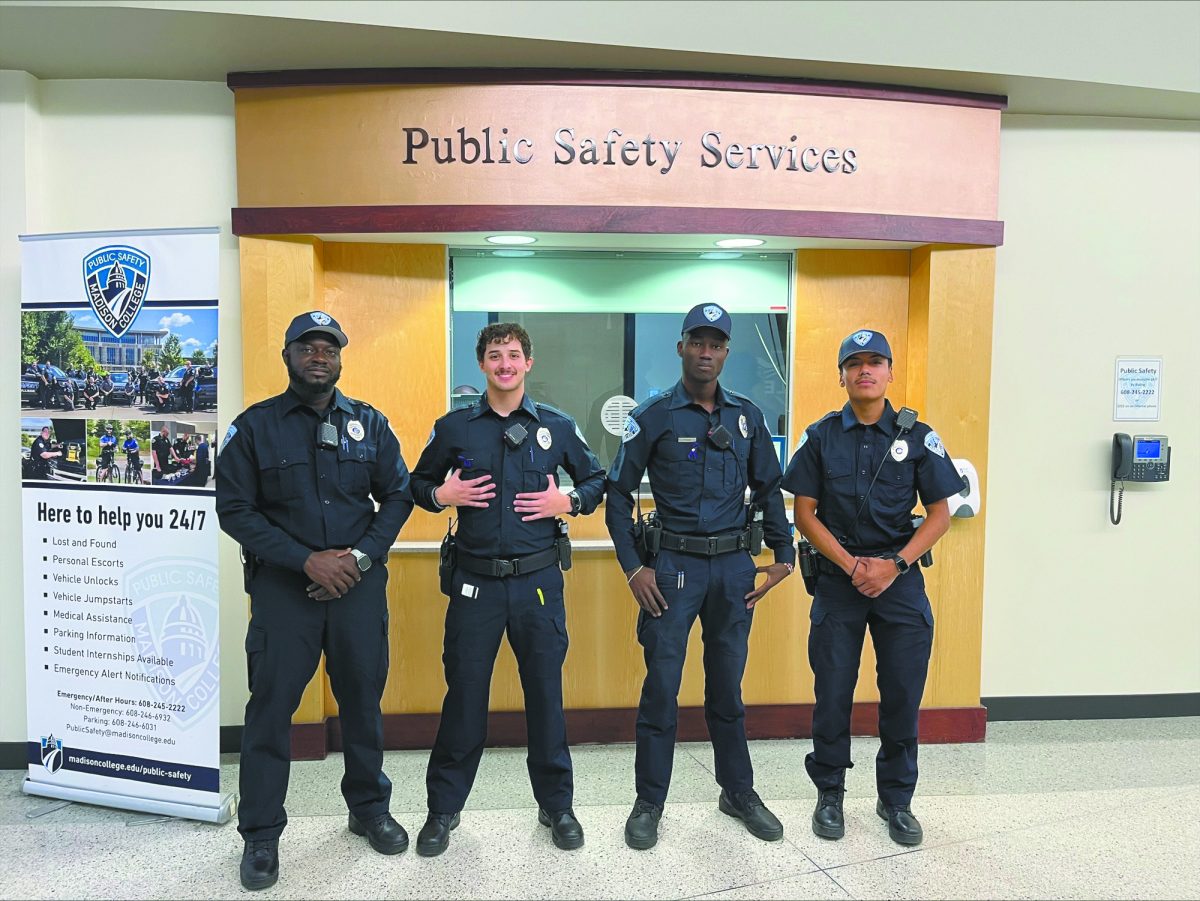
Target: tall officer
(295,490)
(703,445)
(856,476)
(502,455)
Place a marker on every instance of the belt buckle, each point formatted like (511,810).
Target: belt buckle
(712,546)
(505,568)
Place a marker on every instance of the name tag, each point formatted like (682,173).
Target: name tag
(686,440)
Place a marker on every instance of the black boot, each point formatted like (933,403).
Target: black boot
(903,827)
(641,829)
(434,836)
(260,864)
(827,819)
(383,833)
(565,830)
(748,807)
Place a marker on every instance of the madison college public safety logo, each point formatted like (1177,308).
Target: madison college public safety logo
(117,279)
(52,753)
(176,634)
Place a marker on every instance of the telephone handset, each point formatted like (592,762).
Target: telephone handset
(1141,458)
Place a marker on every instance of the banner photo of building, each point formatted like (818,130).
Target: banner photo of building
(119,522)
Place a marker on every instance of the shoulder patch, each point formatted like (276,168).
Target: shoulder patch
(803,439)
(934,444)
(631,429)
(233,430)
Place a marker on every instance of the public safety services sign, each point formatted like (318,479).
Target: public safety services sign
(120,534)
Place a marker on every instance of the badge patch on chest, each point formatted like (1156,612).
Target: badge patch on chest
(543,438)
(354,429)
(899,450)
(743,426)
(934,443)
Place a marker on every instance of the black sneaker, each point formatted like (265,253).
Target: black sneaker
(827,819)
(641,829)
(260,864)
(748,807)
(903,827)
(565,830)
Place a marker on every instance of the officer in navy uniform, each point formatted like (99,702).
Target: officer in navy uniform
(856,475)
(502,455)
(703,445)
(43,454)
(300,477)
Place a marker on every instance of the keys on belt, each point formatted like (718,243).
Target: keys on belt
(498,568)
(707,545)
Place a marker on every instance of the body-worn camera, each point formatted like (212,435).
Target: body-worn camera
(327,436)
(720,437)
(515,435)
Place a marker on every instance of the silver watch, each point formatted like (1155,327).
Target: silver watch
(364,562)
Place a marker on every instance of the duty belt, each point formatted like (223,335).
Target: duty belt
(497,568)
(706,545)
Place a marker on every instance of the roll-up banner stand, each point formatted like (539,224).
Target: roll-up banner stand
(122,647)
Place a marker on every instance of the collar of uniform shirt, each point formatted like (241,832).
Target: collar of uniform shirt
(885,422)
(482,406)
(292,401)
(680,397)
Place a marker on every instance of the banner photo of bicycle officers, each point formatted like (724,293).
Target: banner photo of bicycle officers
(122,613)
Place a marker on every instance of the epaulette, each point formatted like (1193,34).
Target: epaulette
(355,400)
(647,404)
(743,398)
(270,401)
(829,415)
(555,410)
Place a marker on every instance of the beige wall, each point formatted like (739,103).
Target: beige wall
(113,154)
(1101,259)
(1102,223)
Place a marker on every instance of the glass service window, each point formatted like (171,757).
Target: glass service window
(605,327)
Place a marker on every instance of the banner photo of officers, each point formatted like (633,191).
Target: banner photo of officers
(313,486)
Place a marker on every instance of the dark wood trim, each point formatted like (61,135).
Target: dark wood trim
(1092,707)
(310,741)
(629,79)
(613,220)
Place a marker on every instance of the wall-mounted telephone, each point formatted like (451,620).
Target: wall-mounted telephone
(1141,458)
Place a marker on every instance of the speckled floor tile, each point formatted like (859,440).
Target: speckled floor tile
(1144,852)
(789,888)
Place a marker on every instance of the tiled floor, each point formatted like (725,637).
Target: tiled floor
(1094,809)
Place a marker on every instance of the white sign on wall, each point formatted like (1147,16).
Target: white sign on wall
(1137,393)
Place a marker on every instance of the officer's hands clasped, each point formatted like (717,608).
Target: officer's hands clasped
(459,492)
(333,572)
(873,575)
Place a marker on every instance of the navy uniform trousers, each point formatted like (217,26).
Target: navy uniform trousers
(901,624)
(482,608)
(713,588)
(288,631)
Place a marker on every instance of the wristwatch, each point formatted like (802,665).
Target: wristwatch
(364,562)
(576,502)
(902,565)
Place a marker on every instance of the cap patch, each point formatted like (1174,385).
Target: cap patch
(861,338)
(320,318)
(712,312)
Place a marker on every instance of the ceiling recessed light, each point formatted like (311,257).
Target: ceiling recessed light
(513,239)
(512,253)
(737,242)
(720,255)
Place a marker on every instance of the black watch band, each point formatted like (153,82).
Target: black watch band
(576,502)
(902,565)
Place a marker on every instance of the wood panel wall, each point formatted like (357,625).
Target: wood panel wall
(934,304)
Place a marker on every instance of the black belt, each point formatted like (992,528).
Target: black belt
(706,545)
(518,566)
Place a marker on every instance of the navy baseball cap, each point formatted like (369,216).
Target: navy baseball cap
(315,321)
(864,341)
(708,315)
